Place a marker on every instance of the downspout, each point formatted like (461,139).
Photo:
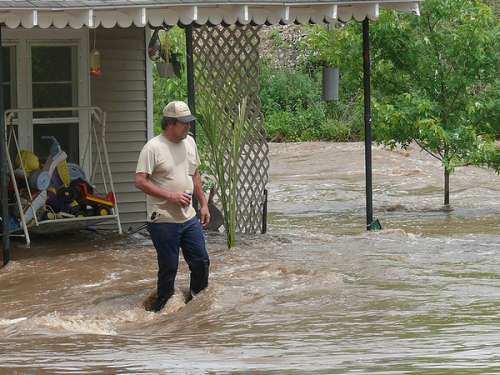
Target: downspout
(3,168)
(370,223)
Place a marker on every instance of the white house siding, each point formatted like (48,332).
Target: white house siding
(122,93)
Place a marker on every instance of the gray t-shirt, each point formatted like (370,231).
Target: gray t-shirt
(170,166)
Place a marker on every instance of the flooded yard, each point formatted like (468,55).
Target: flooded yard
(317,294)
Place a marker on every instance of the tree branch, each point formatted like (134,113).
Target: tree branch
(426,150)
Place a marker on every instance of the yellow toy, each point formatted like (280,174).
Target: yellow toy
(30,161)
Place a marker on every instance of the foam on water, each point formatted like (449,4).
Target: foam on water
(8,322)
(98,321)
(174,304)
(111,277)
(75,323)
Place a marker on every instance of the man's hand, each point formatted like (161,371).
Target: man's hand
(204,216)
(180,199)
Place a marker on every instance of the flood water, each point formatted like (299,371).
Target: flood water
(316,295)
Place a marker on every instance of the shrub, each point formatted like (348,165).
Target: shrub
(287,90)
(164,91)
(295,111)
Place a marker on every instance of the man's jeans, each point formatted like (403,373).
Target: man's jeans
(167,238)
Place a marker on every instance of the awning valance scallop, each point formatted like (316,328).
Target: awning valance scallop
(45,14)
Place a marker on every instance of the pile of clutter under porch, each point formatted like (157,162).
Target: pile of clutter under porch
(55,190)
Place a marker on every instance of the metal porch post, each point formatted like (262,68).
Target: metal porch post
(3,168)
(190,85)
(190,73)
(370,224)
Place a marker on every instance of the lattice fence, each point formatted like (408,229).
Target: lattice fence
(226,71)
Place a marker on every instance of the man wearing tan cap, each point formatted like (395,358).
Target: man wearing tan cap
(167,171)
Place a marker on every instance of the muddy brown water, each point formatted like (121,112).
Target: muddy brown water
(316,295)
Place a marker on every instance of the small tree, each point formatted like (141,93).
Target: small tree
(433,72)
(224,136)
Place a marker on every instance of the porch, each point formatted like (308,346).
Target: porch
(64,33)
(50,68)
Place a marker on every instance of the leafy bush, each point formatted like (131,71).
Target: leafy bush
(295,126)
(287,90)
(164,91)
(295,111)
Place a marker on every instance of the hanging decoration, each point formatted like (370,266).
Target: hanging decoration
(161,55)
(154,46)
(95,60)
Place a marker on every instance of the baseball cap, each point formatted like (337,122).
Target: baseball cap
(178,110)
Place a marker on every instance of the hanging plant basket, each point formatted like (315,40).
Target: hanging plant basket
(165,69)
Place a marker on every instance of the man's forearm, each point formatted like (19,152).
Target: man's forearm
(198,189)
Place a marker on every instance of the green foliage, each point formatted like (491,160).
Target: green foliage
(488,155)
(287,90)
(443,88)
(335,46)
(173,48)
(164,91)
(168,89)
(224,161)
(174,41)
(277,39)
(485,111)
(295,111)
(338,47)
(434,82)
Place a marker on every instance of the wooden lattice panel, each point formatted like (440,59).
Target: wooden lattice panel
(226,71)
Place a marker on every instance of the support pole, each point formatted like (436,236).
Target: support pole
(190,85)
(3,168)
(190,74)
(264,213)
(368,125)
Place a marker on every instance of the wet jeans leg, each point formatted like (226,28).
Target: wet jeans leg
(195,254)
(166,239)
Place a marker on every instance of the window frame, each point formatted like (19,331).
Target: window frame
(74,74)
(23,39)
(54,120)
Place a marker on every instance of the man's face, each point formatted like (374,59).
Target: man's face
(181,130)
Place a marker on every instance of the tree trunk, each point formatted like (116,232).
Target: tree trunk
(446,187)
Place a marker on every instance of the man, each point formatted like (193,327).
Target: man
(167,171)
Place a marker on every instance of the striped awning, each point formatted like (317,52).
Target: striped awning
(125,13)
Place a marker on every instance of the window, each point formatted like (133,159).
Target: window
(48,69)
(8,84)
(55,85)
